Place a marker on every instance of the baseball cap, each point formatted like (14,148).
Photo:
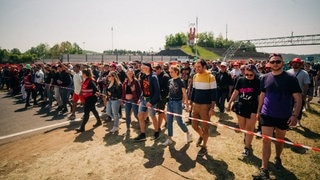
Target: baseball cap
(224,64)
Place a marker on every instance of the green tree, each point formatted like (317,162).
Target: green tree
(39,52)
(4,55)
(206,40)
(176,40)
(15,51)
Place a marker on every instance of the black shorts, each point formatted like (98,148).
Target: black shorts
(245,110)
(281,123)
(161,105)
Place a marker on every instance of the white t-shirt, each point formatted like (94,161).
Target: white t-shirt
(39,77)
(235,73)
(77,81)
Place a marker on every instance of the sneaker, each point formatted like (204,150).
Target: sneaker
(259,133)
(155,136)
(261,174)
(277,163)
(141,137)
(203,151)
(114,129)
(189,137)
(167,142)
(245,152)
(298,124)
(199,141)
(79,130)
(72,117)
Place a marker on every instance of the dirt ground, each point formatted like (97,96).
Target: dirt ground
(60,153)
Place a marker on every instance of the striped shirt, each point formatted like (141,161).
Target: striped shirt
(204,88)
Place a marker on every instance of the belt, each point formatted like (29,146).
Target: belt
(175,99)
(113,98)
(146,98)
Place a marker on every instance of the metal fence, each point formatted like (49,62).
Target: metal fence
(104,58)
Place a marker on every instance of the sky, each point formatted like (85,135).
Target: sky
(99,25)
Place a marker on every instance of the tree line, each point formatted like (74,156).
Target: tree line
(206,39)
(42,51)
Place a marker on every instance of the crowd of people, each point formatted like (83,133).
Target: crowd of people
(258,91)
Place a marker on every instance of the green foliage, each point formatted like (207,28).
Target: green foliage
(205,40)
(176,40)
(39,52)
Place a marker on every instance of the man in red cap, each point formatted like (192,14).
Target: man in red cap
(303,79)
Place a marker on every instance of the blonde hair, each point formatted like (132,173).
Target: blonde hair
(116,77)
(176,69)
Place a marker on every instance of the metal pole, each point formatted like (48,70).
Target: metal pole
(196,37)
(112,39)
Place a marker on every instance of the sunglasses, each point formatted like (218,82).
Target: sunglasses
(276,61)
(249,75)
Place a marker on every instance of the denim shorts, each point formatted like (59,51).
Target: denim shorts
(143,108)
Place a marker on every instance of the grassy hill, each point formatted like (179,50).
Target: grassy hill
(202,52)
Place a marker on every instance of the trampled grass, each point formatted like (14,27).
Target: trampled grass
(202,53)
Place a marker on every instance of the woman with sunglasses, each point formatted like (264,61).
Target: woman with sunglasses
(114,92)
(177,95)
(131,92)
(247,89)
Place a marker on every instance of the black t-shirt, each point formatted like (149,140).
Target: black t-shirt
(48,77)
(312,73)
(249,90)
(175,89)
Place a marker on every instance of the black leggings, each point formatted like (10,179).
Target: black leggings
(89,105)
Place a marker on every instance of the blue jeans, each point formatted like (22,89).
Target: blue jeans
(143,108)
(130,105)
(175,107)
(221,97)
(113,111)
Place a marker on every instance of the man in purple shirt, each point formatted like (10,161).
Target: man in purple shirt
(279,105)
